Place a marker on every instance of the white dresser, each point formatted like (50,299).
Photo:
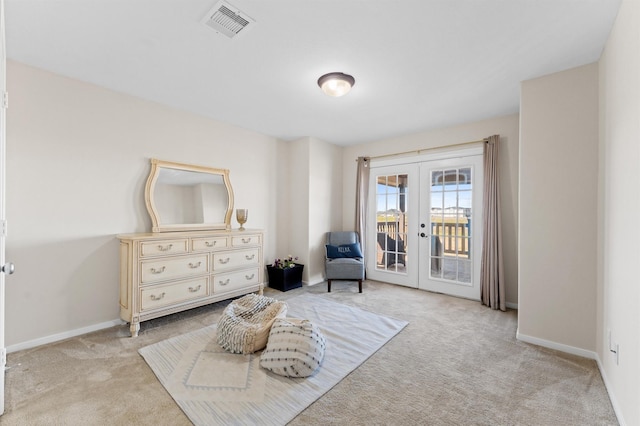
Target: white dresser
(164,273)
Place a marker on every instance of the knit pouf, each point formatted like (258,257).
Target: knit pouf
(295,348)
(245,323)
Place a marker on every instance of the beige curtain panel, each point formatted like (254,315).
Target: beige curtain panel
(492,266)
(362,198)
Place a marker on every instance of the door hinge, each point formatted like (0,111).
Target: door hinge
(5,100)
(3,357)
(3,225)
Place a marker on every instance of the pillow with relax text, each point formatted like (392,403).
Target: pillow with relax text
(343,250)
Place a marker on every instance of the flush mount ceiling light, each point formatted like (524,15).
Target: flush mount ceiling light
(336,83)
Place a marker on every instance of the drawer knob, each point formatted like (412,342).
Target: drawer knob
(210,244)
(194,290)
(224,282)
(194,266)
(156,298)
(224,261)
(246,240)
(249,277)
(249,257)
(165,248)
(158,271)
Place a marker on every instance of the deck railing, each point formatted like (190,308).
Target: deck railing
(453,236)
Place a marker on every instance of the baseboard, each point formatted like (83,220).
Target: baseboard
(61,336)
(511,305)
(556,346)
(612,398)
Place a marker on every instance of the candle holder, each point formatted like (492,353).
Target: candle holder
(241,216)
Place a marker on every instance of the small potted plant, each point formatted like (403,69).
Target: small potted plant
(285,274)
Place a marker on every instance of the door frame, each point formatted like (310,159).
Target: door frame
(3,230)
(412,162)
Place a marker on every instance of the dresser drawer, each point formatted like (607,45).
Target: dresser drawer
(167,294)
(209,244)
(248,240)
(173,267)
(235,280)
(235,259)
(161,248)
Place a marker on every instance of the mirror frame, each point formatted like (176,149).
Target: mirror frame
(149,197)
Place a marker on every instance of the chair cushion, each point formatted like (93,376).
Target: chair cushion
(344,268)
(245,323)
(295,348)
(343,250)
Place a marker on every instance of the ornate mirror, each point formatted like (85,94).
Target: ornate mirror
(183,197)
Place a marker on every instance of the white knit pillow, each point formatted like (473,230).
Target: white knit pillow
(295,348)
(244,325)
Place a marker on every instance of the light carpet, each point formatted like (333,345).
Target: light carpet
(213,386)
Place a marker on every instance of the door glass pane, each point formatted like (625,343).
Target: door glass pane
(464,176)
(464,271)
(392,197)
(436,256)
(450,269)
(437,202)
(450,179)
(381,202)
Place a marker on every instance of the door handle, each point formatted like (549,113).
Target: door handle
(8,268)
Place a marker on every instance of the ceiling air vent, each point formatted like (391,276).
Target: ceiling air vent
(227,19)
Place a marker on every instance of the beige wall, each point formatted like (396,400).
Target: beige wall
(297,211)
(558,208)
(78,157)
(619,202)
(286,153)
(506,127)
(325,194)
(314,205)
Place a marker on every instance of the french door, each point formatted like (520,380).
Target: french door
(393,213)
(425,223)
(451,226)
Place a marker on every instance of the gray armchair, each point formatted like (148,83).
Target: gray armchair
(348,268)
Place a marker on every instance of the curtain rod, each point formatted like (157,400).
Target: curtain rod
(418,151)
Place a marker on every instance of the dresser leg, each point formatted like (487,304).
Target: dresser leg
(135,327)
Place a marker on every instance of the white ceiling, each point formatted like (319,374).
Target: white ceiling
(418,64)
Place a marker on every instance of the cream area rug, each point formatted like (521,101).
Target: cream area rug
(214,387)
